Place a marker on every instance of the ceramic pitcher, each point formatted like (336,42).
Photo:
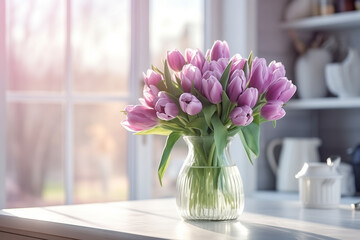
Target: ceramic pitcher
(294,153)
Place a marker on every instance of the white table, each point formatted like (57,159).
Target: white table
(262,219)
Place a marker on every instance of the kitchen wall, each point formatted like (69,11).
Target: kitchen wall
(339,129)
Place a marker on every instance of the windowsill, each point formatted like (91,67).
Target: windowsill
(266,215)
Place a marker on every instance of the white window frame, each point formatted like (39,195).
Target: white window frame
(2,107)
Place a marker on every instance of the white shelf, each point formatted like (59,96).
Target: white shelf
(330,22)
(324,103)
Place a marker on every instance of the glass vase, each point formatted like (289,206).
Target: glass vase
(209,185)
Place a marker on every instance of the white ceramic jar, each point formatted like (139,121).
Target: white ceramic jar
(320,185)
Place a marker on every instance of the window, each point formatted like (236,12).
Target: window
(67,82)
(68,77)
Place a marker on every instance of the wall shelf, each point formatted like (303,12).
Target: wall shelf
(324,103)
(330,22)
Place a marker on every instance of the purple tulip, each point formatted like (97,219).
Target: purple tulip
(152,78)
(190,104)
(236,86)
(214,73)
(213,66)
(238,63)
(165,107)
(220,49)
(195,57)
(189,53)
(189,75)
(176,60)
(259,75)
(241,116)
(282,90)
(273,110)
(139,118)
(276,70)
(212,89)
(150,94)
(238,74)
(249,97)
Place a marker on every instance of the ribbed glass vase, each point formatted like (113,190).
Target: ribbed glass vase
(209,185)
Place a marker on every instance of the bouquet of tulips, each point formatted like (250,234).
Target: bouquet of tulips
(210,95)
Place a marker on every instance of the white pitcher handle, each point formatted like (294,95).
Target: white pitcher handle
(270,154)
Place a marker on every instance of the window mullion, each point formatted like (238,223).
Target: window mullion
(69,109)
(139,159)
(2,106)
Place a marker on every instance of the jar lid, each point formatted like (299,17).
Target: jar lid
(320,170)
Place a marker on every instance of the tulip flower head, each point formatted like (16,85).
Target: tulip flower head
(220,49)
(212,89)
(237,85)
(150,94)
(176,60)
(139,118)
(152,78)
(189,75)
(273,110)
(259,75)
(241,116)
(165,108)
(190,104)
(249,97)
(281,90)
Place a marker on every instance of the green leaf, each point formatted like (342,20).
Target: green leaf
(245,69)
(170,84)
(202,99)
(161,86)
(208,113)
(170,142)
(226,105)
(250,59)
(155,130)
(155,69)
(172,126)
(168,81)
(250,136)
(178,80)
(225,76)
(235,131)
(220,134)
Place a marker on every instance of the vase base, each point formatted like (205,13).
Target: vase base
(212,215)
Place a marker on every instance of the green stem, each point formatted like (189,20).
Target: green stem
(211,154)
(218,106)
(185,123)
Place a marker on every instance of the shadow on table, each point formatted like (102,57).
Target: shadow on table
(339,217)
(245,230)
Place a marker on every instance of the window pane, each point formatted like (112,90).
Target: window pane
(35,155)
(100,153)
(173,24)
(36,44)
(101,45)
